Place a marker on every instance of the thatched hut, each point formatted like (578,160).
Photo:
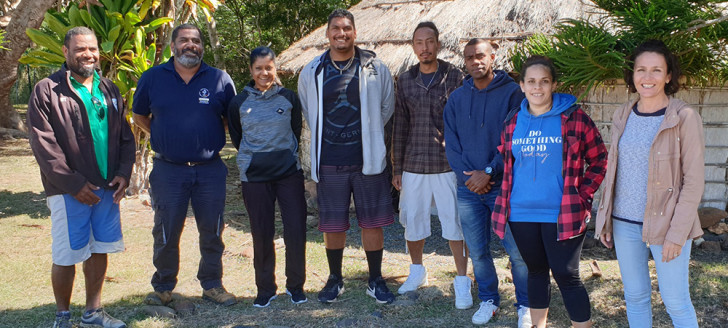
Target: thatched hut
(385,26)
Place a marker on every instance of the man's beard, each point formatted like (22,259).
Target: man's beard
(80,69)
(188,58)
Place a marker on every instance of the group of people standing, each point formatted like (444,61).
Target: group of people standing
(490,153)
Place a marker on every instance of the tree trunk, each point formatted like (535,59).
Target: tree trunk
(214,42)
(27,14)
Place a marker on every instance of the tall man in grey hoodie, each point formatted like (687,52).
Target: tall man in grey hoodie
(474,116)
(347,96)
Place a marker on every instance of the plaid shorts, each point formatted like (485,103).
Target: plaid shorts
(372,198)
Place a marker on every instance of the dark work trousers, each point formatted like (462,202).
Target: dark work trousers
(260,199)
(173,187)
(541,252)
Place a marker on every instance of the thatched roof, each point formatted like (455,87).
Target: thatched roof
(385,26)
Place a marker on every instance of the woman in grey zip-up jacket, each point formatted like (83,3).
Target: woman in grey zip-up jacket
(265,126)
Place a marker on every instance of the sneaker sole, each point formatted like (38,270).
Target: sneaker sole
(226,303)
(266,304)
(484,322)
(370,292)
(88,325)
(341,291)
(93,325)
(401,292)
(460,307)
(294,302)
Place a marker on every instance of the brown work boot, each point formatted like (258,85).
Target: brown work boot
(220,296)
(159,298)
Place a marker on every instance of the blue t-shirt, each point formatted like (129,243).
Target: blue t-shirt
(341,140)
(187,118)
(427,78)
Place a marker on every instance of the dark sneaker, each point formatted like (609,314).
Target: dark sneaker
(99,318)
(220,296)
(334,287)
(378,289)
(297,296)
(63,320)
(263,301)
(159,298)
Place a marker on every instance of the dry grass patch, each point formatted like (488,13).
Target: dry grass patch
(27,298)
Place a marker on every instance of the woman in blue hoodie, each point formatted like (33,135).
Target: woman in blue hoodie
(554,160)
(265,125)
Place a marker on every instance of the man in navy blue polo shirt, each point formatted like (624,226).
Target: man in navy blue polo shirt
(182,103)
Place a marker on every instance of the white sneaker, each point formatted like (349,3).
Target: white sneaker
(463,296)
(524,317)
(486,311)
(417,277)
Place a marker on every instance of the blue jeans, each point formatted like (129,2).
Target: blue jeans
(173,188)
(672,277)
(474,211)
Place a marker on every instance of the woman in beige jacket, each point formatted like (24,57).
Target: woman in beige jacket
(653,187)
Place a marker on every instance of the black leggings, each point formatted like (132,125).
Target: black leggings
(541,252)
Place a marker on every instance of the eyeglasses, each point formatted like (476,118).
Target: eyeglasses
(99,107)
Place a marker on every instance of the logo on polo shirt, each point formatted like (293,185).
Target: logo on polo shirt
(280,110)
(204,96)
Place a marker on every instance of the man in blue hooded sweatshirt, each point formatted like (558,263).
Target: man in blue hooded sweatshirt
(474,117)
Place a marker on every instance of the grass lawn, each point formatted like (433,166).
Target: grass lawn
(26,297)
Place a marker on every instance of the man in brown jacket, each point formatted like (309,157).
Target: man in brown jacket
(85,150)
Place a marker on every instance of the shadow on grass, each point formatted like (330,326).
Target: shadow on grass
(23,203)
(354,307)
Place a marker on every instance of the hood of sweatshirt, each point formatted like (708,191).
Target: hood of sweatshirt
(500,79)
(267,94)
(561,102)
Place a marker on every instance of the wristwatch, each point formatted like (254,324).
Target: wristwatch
(488,170)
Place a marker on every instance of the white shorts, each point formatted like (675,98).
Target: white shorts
(419,192)
(78,230)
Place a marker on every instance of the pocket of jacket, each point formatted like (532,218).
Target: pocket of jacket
(665,168)
(669,195)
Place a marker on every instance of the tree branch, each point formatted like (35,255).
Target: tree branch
(704,24)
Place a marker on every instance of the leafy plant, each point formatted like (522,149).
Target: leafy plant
(2,40)
(121,27)
(588,54)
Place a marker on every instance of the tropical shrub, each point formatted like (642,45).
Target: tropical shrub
(590,52)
